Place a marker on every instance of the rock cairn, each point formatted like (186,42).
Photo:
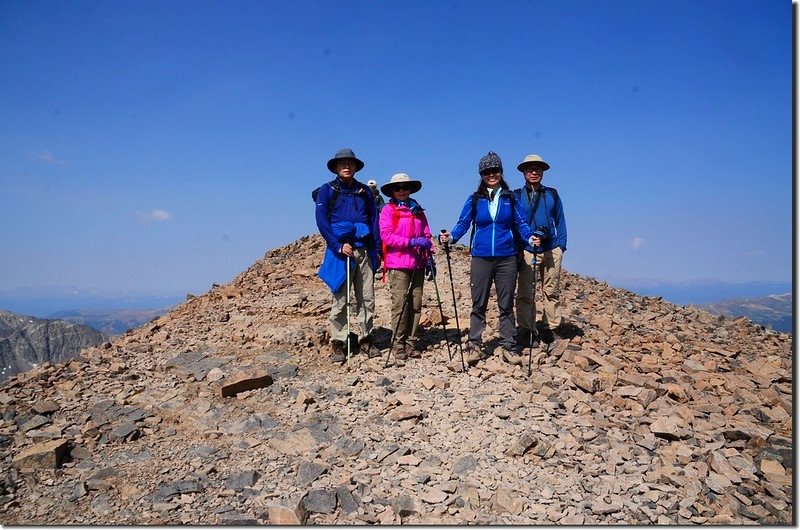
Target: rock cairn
(227,411)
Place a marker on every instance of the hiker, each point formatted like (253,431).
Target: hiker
(406,239)
(348,221)
(379,202)
(544,213)
(495,217)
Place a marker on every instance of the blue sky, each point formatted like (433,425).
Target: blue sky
(165,146)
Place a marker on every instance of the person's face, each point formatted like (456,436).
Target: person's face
(346,168)
(492,177)
(401,191)
(533,174)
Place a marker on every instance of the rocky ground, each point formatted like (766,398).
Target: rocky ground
(227,411)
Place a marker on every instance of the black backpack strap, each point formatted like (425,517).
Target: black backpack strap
(475,197)
(334,184)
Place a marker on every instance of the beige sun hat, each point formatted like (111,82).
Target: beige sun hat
(401,178)
(533,160)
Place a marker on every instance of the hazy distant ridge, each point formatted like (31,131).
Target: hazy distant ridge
(774,311)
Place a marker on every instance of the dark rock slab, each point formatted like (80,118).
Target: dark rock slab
(346,500)
(242,480)
(308,472)
(320,501)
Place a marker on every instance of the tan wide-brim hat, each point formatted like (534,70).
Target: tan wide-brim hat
(533,160)
(401,178)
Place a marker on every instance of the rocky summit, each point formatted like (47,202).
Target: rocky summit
(227,411)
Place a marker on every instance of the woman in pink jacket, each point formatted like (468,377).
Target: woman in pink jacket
(406,240)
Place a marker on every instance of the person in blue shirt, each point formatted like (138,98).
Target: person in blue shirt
(545,213)
(498,222)
(347,218)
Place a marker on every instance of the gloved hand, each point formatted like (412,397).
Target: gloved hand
(421,242)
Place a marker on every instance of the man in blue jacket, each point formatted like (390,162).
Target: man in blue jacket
(545,214)
(348,221)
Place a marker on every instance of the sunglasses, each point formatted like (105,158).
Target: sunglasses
(491,171)
(401,187)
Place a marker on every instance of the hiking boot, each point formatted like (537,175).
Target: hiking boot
(511,356)
(413,350)
(400,351)
(337,351)
(367,348)
(474,352)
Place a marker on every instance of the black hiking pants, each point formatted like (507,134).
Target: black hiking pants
(503,273)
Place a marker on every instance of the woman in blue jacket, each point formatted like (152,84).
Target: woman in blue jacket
(497,219)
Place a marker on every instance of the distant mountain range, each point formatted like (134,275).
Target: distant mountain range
(700,292)
(774,311)
(110,322)
(45,301)
(765,303)
(27,342)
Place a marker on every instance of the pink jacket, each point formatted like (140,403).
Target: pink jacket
(398,225)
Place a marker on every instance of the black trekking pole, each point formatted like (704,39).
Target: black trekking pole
(402,313)
(455,308)
(534,331)
(347,356)
(439,301)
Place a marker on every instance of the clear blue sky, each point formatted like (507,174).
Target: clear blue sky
(165,146)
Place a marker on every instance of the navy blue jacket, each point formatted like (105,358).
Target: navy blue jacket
(354,204)
(549,213)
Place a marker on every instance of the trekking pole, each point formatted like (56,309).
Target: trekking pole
(402,313)
(455,308)
(347,286)
(534,331)
(441,311)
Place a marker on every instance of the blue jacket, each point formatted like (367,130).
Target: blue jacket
(354,204)
(352,218)
(493,237)
(549,213)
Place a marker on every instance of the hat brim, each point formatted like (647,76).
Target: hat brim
(332,164)
(524,165)
(414,187)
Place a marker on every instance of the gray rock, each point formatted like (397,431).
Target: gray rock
(308,472)
(320,501)
(346,500)
(242,480)
(166,491)
(125,431)
(404,505)
(464,464)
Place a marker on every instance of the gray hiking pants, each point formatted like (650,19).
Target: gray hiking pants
(503,273)
(362,278)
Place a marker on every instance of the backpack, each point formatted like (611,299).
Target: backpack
(554,193)
(335,195)
(475,197)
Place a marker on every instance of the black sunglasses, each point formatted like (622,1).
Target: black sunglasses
(491,171)
(401,187)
